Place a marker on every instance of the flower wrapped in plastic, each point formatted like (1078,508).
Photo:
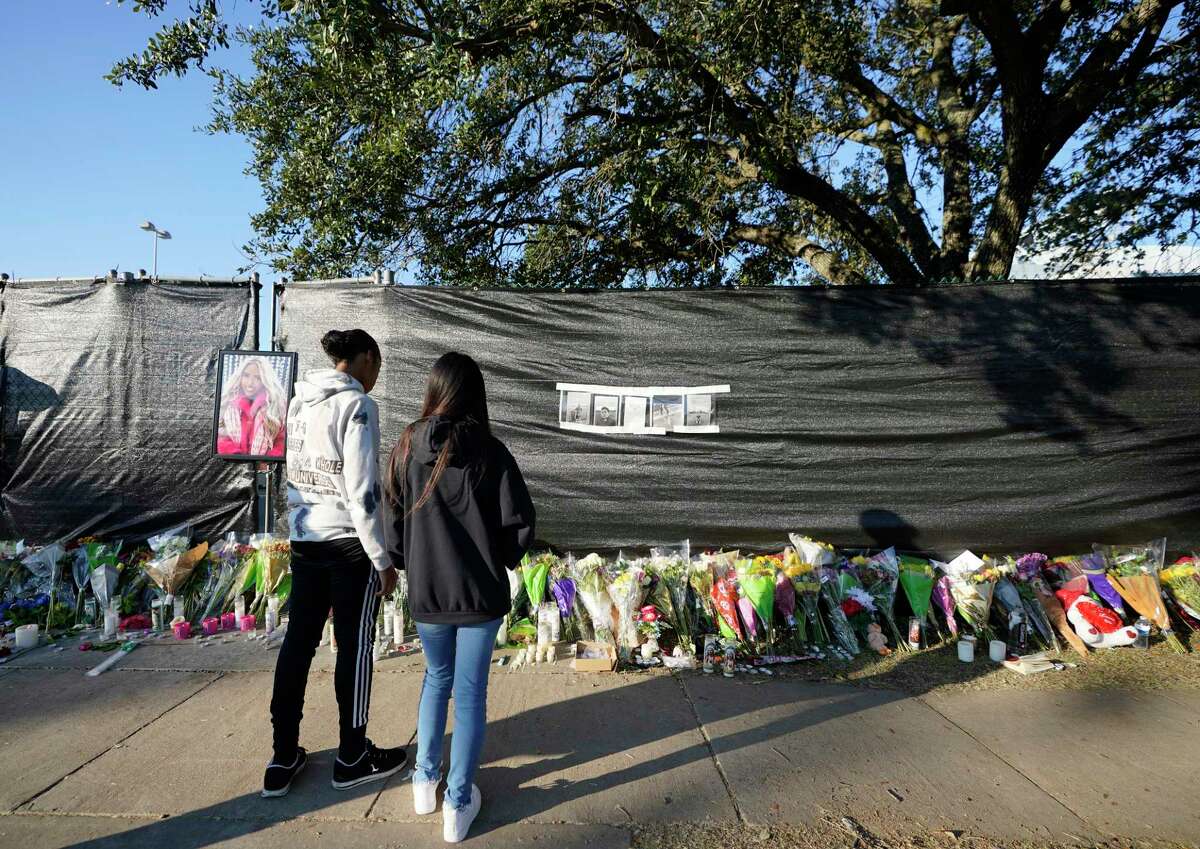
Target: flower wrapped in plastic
(756,577)
(1182,579)
(272,573)
(700,578)
(671,568)
(973,585)
(880,575)
(724,596)
(592,587)
(12,568)
(224,560)
(785,606)
(627,588)
(806,584)
(839,624)
(171,566)
(1133,571)
(917,578)
(1018,591)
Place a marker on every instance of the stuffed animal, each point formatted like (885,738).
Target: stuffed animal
(1095,624)
(876,640)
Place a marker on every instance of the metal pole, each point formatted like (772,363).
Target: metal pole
(262,486)
(156,255)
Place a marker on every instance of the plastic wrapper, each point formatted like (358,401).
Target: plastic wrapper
(671,567)
(831,589)
(807,585)
(972,584)
(627,588)
(879,574)
(756,578)
(1182,579)
(592,589)
(1133,571)
(917,578)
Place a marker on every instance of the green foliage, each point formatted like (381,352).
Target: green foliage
(740,142)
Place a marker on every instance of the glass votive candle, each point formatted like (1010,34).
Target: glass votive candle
(248,622)
(229,622)
(210,626)
(182,630)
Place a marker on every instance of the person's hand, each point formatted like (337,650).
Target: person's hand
(387,581)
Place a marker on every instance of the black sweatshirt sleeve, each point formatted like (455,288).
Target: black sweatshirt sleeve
(517,515)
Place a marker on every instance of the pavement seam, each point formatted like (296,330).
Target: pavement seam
(141,727)
(712,752)
(1010,765)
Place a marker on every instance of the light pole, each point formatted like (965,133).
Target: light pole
(149,227)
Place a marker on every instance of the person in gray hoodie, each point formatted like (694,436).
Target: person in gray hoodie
(342,553)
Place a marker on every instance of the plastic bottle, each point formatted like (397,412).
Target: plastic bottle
(1142,626)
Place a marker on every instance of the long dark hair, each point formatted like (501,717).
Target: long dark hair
(454,391)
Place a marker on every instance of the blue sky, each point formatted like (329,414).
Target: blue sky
(85,162)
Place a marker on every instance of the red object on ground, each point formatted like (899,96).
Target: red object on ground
(136,622)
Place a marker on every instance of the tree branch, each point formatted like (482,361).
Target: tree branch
(824,261)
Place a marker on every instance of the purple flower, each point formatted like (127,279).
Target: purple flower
(564,594)
(1029,565)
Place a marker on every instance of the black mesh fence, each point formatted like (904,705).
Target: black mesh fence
(1018,415)
(107,407)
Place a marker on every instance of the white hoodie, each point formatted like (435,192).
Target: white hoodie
(334,490)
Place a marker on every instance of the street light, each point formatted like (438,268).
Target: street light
(149,227)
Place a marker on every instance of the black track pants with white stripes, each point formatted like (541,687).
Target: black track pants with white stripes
(333,574)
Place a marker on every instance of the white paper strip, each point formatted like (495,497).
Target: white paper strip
(596,388)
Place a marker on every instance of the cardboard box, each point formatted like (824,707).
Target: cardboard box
(607,663)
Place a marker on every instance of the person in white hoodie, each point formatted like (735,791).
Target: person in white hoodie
(342,556)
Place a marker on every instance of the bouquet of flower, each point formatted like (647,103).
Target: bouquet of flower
(917,578)
(171,566)
(1133,570)
(724,596)
(562,587)
(12,568)
(785,605)
(973,584)
(832,590)
(803,575)
(945,599)
(756,578)
(224,560)
(271,572)
(1024,573)
(700,578)
(880,574)
(590,584)
(672,572)
(1182,578)
(535,573)
(627,588)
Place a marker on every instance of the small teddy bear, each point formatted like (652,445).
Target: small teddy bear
(876,640)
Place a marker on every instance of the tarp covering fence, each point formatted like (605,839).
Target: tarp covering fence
(108,407)
(1044,415)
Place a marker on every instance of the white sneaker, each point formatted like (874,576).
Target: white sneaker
(424,796)
(457,821)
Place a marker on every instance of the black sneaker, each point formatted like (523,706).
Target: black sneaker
(278,779)
(375,765)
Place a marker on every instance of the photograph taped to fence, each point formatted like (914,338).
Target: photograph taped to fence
(253,392)
(657,410)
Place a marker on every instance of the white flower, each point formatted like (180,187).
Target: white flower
(863,597)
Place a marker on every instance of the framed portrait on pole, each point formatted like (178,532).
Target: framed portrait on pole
(254,389)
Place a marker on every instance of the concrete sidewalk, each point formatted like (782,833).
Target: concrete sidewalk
(168,750)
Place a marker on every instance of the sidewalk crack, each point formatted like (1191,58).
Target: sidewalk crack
(140,728)
(1009,764)
(712,752)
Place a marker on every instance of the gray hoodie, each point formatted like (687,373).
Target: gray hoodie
(334,489)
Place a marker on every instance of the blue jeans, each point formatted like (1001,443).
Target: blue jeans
(458,658)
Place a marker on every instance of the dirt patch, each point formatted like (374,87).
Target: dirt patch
(846,834)
(939,668)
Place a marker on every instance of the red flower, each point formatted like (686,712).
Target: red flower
(649,614)
(851,607)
